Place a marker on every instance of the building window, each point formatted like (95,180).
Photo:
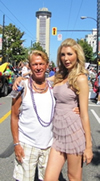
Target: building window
(42,33)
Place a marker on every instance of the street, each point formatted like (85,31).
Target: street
(90,172)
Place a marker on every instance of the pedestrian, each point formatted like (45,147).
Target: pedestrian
(26,72)
(51,72)
(98,80)
(20,66)
(31,117)
(71,132)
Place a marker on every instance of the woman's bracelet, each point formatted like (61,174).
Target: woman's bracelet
(16,144)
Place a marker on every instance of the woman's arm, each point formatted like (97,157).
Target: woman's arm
(27,73)
(17,82)
(52,78)
(14,127)
(83,103)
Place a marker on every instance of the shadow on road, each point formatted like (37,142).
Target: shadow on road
(60,177)
(9,151)
(96,156)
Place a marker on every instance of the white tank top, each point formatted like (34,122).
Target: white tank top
(30,129)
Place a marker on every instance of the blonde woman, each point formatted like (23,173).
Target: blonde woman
(72,137)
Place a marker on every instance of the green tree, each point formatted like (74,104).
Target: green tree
(13,49)
(88,50)
(37,46)
(53,64)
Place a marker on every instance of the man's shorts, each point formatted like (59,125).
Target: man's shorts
(34,157)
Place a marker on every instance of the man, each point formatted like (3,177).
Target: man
(31,126)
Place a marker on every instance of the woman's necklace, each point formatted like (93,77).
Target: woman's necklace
(43,123)
(40,90)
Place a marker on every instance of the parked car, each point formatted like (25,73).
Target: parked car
(7,78)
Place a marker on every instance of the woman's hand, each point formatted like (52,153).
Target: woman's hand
(88,155)
(19,153)
(16,83)
(76,110)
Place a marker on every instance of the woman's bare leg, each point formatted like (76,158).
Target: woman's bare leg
(74,163)
(55,163)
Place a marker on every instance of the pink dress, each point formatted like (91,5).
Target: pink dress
(68,132)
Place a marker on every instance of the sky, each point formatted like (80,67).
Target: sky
(65,16)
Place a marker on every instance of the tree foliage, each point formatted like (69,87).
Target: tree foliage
(88,50)
(13,50)
(37,46)
(53,64)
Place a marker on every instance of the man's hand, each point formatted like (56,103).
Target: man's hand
(19,153)
(76,110)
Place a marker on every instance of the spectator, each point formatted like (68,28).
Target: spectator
(51,72)
(26,72)
(98,78)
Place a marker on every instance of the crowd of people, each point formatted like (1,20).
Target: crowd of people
(24,70)
(50,124)
(94,79)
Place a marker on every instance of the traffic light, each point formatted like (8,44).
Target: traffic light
(54,31)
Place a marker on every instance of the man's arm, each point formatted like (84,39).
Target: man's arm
(14,127)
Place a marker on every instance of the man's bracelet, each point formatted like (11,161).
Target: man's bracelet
(16,144)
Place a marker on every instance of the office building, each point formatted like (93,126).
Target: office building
(43,28)
(92,40)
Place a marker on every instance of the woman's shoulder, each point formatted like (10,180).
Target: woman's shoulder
(82,78)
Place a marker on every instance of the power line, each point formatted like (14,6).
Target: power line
(69,13)
(78,13)
(74,30)
(16,18)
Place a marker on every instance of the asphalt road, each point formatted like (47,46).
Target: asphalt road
(90,172)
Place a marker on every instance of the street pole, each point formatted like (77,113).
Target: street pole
(85,17)
(97,45)
(98,32)
(3,39)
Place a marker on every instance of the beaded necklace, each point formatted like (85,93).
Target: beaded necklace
(43,123)
(40,90)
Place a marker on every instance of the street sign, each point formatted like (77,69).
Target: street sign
(54,31)
(59,37)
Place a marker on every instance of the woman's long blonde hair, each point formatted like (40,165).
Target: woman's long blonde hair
(77,70)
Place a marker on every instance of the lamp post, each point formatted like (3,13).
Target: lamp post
(85,17)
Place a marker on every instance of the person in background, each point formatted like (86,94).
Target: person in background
(26,72)
(71,132)
(51,72)
(31,124)
(20,66)
(98,80)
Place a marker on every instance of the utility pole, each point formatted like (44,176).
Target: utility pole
(3,59)
(98,34)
